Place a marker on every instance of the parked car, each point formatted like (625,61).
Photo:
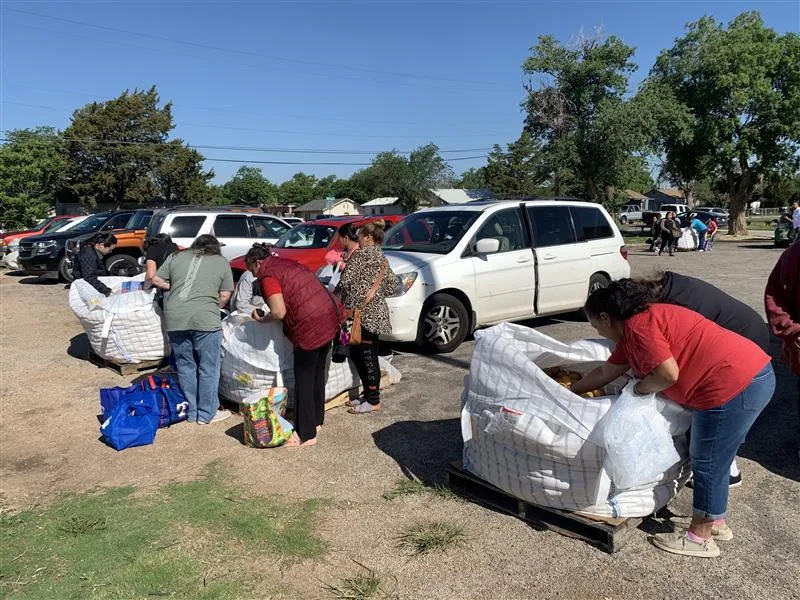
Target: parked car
(630,213)
(309,242)
(469,266)
(9,246)
(650,217)
(686,217)
(45,254)
(237,228)
(292,220)
(718,212)
(124,261)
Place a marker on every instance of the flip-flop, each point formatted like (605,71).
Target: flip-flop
(354,402)
(364,407)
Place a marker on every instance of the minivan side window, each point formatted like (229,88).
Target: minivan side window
(590,223)
(231,226)
(186,227)
(117,222)
(552,226)
(507,228)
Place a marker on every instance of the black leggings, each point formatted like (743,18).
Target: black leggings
(365,358)
(309,390)
(667,240)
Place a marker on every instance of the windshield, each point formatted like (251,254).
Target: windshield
(58,225)
(140,220)
(42,223)
(307,236)
(434,232)
(93,223)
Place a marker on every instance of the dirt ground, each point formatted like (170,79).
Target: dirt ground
(49,444)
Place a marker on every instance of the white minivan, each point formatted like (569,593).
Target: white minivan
(477,264)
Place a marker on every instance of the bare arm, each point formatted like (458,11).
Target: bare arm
(224,297)
(597,378)
(160,283)
(659,379)
(277,309)
(149,273)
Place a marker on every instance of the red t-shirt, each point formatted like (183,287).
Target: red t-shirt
(270,287)
(715,364)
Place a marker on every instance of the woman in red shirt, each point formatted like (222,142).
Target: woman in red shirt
(725,379)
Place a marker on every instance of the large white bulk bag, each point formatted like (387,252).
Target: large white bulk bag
(688,240)
(122,328)
(529,436)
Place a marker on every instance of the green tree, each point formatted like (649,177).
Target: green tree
(472,179)
(517,171)
(179,175)
(578,111)
(249,186)
(117,151)
(31,168)
(299,189)
(727,106)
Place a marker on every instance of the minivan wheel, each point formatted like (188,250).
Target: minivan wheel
(122,265)
(444,324)
(65,271)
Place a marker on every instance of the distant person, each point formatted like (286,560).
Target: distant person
(782,305)
(198,282)
(668,231)
(90,260)
(701,229)
(796,216)
(712,233)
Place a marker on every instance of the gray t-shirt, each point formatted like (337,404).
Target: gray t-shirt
(192,302)
(247,296)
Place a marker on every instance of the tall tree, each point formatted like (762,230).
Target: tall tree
(472,179)
(117,151)
(179,175)
(299,189)
(727,102)
(579,112)
(31,169)
(517,171)
(249,186)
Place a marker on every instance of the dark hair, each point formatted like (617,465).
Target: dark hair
(620,300)
(654,284)
(257,252)
(161,238)
(348,231)
(374,229)
(102,239)
(206,245)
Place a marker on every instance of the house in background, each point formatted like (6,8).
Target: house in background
(389,205)
(327,207)
(634,197)
(664,196)
(454,196)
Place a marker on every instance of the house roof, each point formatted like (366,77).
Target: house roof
(385,201)
(634,195)
(319,205)
(671,192)
(460,196)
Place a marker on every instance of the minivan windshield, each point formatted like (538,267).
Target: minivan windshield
(93,223)
(307,237)
(434,232)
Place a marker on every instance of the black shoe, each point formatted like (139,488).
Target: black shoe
(732,482)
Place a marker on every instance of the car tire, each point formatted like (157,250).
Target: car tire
(443,325)
(122,265)
(623,220)
(64,272)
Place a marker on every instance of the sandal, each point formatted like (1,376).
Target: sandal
(352,403)
(365,407)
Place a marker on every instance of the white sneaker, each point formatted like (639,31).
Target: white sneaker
(220,416)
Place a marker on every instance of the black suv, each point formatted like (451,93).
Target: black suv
(44,254)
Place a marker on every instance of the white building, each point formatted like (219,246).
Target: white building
(328,208)
(389,205)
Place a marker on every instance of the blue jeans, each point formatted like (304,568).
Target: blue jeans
(197,357)
(701,240)
(716,436)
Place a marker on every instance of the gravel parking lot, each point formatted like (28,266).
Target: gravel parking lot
(49,445)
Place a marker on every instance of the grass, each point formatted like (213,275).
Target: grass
(435,536)
(415,487)
(362,586)
(199,539)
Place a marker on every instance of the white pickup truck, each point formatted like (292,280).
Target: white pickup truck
(630,213)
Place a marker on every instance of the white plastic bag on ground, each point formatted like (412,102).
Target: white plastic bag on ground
(526,434)
(639,447)
(123,328)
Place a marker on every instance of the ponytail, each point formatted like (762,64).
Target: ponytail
(374,229)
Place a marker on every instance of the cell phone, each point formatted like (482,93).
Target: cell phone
(261,314)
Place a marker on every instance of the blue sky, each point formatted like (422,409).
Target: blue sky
(345,76)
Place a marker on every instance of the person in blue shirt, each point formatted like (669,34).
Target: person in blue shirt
(701,229)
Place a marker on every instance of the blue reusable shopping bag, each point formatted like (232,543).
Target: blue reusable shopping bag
(162,392)
(132,422)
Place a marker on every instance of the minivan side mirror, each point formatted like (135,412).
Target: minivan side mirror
(487,246)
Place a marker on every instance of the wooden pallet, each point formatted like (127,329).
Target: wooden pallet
(127,368)
(608,534)
(352,394)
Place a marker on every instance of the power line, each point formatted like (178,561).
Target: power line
(257,148)
(256,54)
(288,132)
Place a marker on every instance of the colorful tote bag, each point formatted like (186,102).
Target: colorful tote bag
(264,425)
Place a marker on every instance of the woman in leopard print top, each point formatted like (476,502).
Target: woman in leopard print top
(358,277)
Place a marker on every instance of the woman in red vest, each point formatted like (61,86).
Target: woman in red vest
(724,378)
(311,318)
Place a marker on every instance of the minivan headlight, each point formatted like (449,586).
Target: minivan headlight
(405,281)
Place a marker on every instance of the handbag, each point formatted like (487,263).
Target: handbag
(341,343)
(160,392)
(264,425)
(132,422)
(355,329)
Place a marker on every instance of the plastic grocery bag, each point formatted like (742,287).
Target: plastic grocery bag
(264,425)
(637,439)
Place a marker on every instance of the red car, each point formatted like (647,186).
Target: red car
(309,242)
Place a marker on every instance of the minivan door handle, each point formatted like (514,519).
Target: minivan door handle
(524,259)
(548,256)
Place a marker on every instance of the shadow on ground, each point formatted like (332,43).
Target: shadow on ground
(422,449)
(40,281)
(79,347)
